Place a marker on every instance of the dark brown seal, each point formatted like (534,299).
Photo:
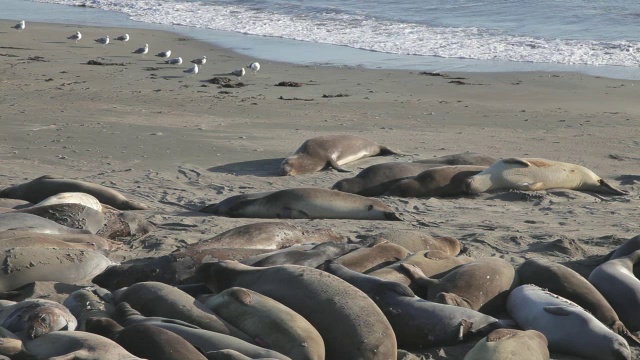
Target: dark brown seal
(369,259)
(376,179)
(465,158)
(440,181)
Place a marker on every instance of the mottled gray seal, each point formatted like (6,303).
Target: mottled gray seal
(351,324)
(376,179)
(331,150)
(84,241)
(33,318)
(313,203)
(440,181)
(88,303)
(17,221)
(68,345)
(616,281)
(415,241)
(372,258)
(72,215)
(273,325)
(533,174)
(568,328)
(465,158)
(510,344)
(41,188)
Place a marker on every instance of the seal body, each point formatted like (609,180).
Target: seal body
(332,150)
(567,327)
(510,344)
(465,158)
(376,179)
(33,318)
(533,174)
(77,345)
(88,303)
(73,198)
(439,181)
(17,221)
(313,203)
(309,258)
(369,259)
(350,323)
(72,215)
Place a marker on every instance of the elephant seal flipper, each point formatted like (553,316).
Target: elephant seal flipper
(337,167)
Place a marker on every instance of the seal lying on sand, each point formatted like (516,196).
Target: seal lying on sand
(532,174)
(372,258)
(41,188)
(376,179)
(313,203)
(67,345)
(331,150)
(88,303)
(72,215)
(33,318)
(465,158)
(439,181)
(33,239)
(415,241)
(27,222)
(510,344)
(72,198)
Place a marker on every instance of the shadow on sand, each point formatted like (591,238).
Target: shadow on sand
(261,168)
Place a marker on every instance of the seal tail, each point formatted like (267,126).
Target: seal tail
(212,209)
(392,216)
(610,189)
(388,151)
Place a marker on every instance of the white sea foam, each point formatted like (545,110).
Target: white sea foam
(368,33)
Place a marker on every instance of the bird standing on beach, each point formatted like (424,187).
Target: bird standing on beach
(77,36)
(104,41)
(193,70)
(164,54)
(174,61)
(238,72)
(20,26)
(199,61)
(124,37)
(142,50)
(254,66)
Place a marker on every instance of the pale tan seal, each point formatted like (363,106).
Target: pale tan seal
(83,241)
(440,181)
(70,345)
(313,203)
(415,241)
(511,344)
(534,174)
(369,259)
(73,198)
(331,150)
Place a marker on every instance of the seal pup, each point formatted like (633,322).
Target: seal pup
(617,283)
(510,344)
(534,174)
(440,181)
(18,221)
(376,179)
(273,325)
(568,328)
(372,258)
(33,318)
(313,203)
(324,300)
(88,303)
(41,188)
(415,241)
(146,341)
(465,158)
(331,150)
(564,282)
(67,345)
(81,198)
(417,323)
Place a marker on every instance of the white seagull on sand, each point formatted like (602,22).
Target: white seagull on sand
(199,61)
(142,50)
(104,41)
(77,36)
(164,54)
(254,66)
(238,72)
(20,26)
(174,61)
(124,37)
(193,70)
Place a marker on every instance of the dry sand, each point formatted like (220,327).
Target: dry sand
(178,143)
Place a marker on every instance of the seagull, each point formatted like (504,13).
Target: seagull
(142,50)
(193,70)
(199,61)
(238,72)
(104,41)
(124,38)
(174,61)
(77,36)
(254,66)
(164,54)
(19,26)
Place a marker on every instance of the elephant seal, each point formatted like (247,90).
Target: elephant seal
(465,158)
(415,241)
(146,341)
(41,241)
(510,344)
(25,265)
(68,345)
(267,235)
(617,283)
(158,299)
(27,222)
(433,263)
(88,303)
(222,207)
(123,223)
(376,179)
(533,174)
(33,318)
(313,203)
(11,346)
(628,248)
(273,325)
(331,150)
(72,215)
(81,198)
(324,300)
(369,259)
(309,258)
(568,328)
(440,181)
(34,239)
(481,285)
(564,282)
(41,188)
(205,340)
(417,323)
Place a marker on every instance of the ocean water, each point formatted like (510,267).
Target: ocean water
(597,37)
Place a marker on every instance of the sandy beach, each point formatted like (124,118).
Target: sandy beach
(178,142)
